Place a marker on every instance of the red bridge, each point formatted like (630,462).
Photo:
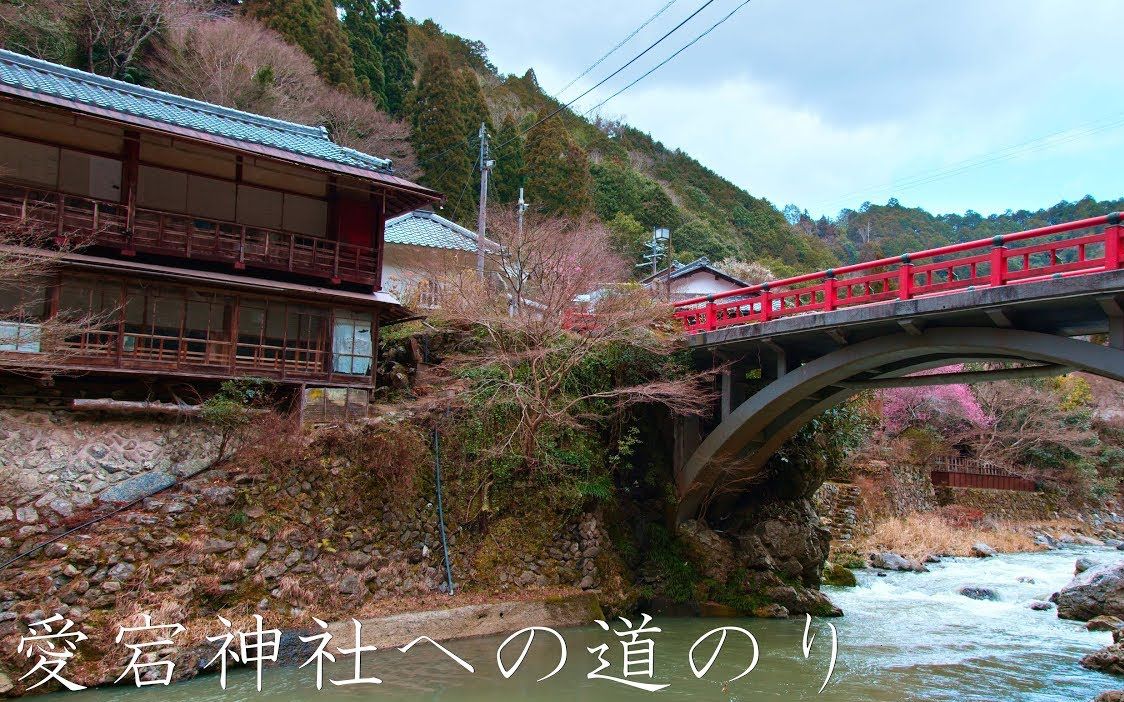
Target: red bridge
(1026,304)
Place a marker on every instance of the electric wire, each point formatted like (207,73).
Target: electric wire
(667,60)
(1031,146)
(612,75)
(613,50)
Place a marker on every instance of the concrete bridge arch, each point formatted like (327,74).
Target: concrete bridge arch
(751,431)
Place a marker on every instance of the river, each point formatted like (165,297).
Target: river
(905,637)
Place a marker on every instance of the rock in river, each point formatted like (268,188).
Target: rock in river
(835,574)
(982,550)
(888,560)
(1095,592)
(978,593)
(1109,659)
(1104,623)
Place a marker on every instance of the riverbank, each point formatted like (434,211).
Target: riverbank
(920,535)
(905,637)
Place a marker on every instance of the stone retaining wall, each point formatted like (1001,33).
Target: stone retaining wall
(56,463)
(1002,504)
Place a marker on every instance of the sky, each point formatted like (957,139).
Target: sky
(949,105)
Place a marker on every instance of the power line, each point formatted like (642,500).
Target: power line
(612,75)
(1008,153)
(667,60)
(631,61)
(613,50)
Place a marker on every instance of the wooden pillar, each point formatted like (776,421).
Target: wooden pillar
(333,229)
(378,234)
(130,175)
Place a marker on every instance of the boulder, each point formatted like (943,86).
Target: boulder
(1041,605)
(140,486)
(771,611)
(1109,659)
(1045,540)
(707,549)
(1095,592)
(1104,623)
(835,574)
(888,560)
(1111,696)
(1083,564)
(978,593)
(982,550)
(1025,579)
(1087,540)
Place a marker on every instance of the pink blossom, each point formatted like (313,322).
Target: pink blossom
(934,405)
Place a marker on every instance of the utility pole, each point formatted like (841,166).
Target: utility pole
(482,220)
(522,208)
(670,262)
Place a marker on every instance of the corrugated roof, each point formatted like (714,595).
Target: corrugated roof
(60,82)
(431,230)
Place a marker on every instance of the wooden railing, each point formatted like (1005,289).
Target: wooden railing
(974,473)
(167,352)
(104,223)
(1060,250)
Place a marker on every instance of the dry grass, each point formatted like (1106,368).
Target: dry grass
(920,535)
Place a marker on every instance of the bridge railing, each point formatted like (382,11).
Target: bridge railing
(1081,247)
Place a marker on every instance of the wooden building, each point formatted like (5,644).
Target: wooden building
(210,243)
(422,244)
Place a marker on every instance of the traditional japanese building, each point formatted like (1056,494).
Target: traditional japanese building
(698,278)
(422,243)
(209,243)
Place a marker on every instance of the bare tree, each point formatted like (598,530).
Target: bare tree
(357,123)
(1026,421)
(750,272)
(31,341)
(237,62)
(114,35)
(534,340)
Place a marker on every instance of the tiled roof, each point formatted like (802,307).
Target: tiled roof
(681,270)
(52,81)
(431,230)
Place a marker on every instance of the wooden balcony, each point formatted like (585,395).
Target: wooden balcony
(103,223)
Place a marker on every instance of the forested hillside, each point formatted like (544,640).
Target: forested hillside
(876,231)
(410,91)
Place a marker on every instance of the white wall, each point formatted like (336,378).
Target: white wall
(698,284)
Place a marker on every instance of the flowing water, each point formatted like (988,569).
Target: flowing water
(905,636)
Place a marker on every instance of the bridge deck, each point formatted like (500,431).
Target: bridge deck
(1071,306)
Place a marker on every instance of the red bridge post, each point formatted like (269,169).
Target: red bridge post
(998,263)
(1112,243)
(905,278)
(829,290)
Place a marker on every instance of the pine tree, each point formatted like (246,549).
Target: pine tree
(364,36)
(557,175)
(398,69)
(474,106)
(314,26)
(508,153)
(442,136)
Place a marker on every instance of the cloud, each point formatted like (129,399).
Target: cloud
(821,102)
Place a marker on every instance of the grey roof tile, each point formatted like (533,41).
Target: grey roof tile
(52,80)
(431,230)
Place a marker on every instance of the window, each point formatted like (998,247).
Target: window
(352,343)
(19,336)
